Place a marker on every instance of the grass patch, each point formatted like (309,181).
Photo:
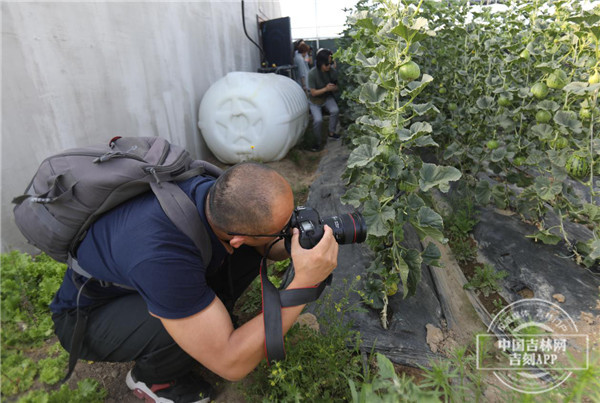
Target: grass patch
(318,365)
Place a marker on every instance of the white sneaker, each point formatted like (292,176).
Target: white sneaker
(187,389)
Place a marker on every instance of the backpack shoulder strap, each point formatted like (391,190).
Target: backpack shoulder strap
(74,265)
(183,213)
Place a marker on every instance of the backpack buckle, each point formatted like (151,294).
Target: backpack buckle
(111,143)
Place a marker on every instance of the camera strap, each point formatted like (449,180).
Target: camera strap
(272,302)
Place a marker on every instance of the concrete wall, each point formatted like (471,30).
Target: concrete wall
(80,73)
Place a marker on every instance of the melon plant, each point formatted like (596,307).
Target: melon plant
(543,57)
(386,176)
(518,161)
(585,114)
(524,77)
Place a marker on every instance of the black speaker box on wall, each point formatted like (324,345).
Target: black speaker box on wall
(277,41)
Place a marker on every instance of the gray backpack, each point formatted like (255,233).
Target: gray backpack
(72,189)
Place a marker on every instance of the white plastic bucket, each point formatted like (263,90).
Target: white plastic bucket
(252,116)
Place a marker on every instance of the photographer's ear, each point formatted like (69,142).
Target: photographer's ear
(237,241)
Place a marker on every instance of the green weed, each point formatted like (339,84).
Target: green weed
(486,279)
(28,286)
(387,386)
(250,303)
(88,391)
(464,251)
(498,304)
(459,224)
(318,365)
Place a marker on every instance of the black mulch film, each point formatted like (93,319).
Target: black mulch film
(546,270)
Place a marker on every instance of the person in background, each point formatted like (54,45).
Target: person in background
(330,53)
(322,83)
(309,57)
(301,65)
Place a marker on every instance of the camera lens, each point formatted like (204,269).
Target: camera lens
(347,228)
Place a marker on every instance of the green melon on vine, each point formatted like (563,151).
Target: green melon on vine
(518,161)
(492,144)
(409,71)
(503,101)
(543,116)
(577,165)
(557,80)
(391,289)
(559,143)
(539,90)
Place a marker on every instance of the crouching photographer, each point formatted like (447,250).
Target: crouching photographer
(159,305)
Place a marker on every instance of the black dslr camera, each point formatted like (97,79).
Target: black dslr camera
(347,228)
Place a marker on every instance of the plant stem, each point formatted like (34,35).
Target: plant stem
(384,320)
(591,147)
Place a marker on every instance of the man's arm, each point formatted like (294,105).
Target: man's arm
(312,84)
(209,336)
(328,87)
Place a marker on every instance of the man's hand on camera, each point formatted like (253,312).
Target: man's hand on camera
(313,265)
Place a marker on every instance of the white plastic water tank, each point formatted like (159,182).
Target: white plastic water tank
(252,116)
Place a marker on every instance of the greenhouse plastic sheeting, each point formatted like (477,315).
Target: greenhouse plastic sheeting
(404,342)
